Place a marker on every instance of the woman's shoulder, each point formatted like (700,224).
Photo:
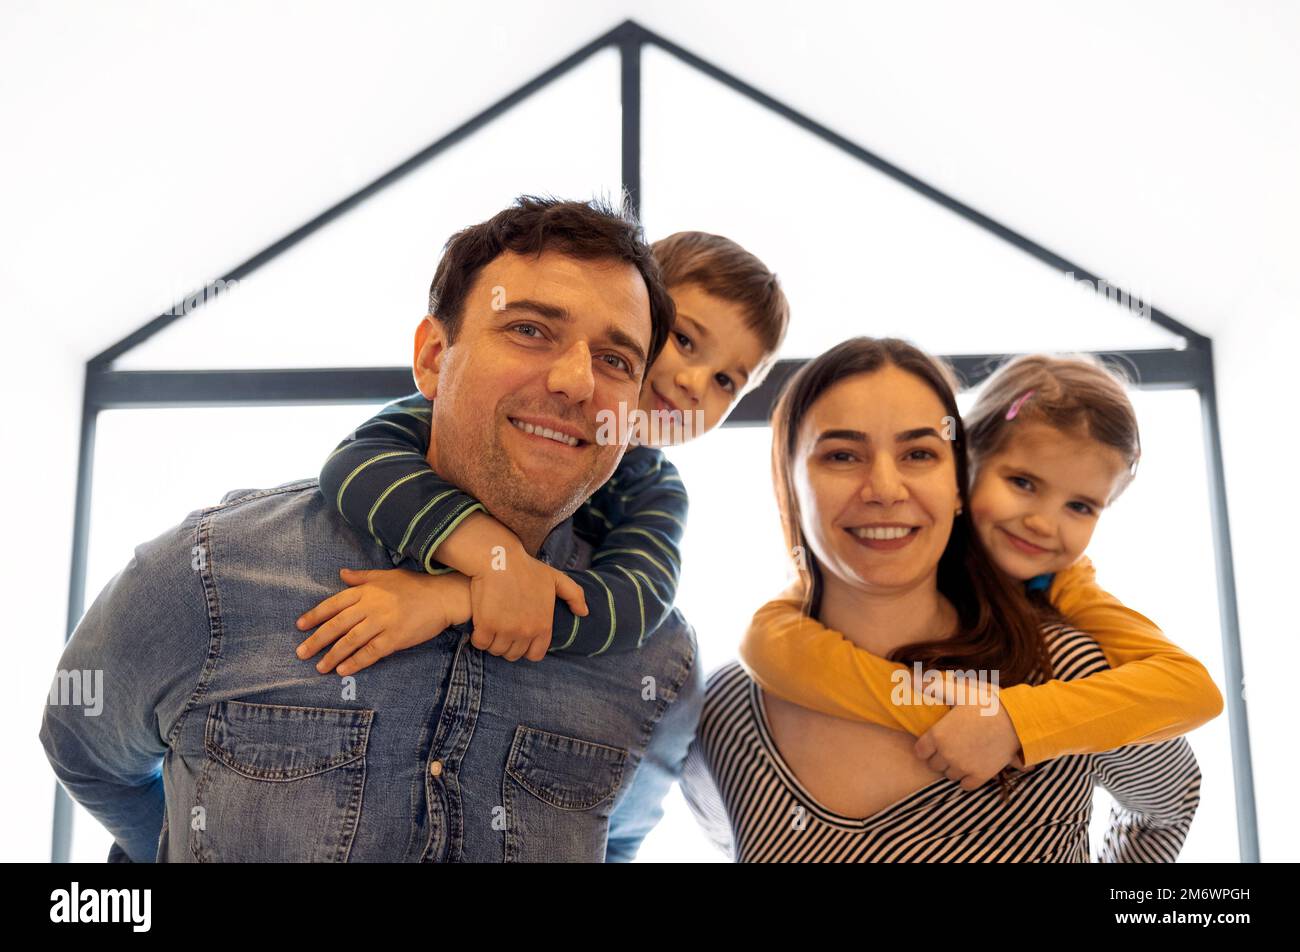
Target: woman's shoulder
(1074,653)
(727,693)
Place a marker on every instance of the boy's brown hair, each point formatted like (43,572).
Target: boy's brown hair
(1074,393)
(726,270)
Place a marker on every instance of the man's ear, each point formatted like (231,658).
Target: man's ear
(430,347)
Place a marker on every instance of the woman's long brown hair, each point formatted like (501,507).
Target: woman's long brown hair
(997,629)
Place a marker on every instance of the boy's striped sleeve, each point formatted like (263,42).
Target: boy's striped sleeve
(379,480)
(638,518)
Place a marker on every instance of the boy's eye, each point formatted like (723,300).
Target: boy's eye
(621,365)
(725,382)
(680,338)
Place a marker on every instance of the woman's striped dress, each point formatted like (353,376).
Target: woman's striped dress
(755,810)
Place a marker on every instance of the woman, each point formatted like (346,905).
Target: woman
(867,443)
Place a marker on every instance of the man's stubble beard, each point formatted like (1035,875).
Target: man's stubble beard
(509,495)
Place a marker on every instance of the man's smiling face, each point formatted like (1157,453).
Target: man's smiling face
(546,343)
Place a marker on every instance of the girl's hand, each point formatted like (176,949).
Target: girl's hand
(971,746)
(382,611)
(513,603)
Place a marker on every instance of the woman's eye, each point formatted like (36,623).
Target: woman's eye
(682,340)
(726,383)
(839,456)
(924,454)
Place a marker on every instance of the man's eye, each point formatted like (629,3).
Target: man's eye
(682,337)
(621,365)
(533,327)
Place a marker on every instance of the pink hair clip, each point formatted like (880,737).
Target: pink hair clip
(1019,402)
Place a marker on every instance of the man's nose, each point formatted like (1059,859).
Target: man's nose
(571,373)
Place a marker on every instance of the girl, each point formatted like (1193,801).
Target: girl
(1053,441)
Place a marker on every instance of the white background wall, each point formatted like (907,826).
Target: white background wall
(148,146)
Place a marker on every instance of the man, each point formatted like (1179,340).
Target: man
(216,743)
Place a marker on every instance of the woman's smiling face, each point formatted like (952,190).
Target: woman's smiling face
(876,481)
(1036,503)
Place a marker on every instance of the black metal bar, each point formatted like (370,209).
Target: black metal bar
(911,181)
(1229,625)
(630,98)
(1148,369)
(465,129)
(119,389)
(61,835)
(122,389)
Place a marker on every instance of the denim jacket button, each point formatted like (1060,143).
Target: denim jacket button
(435,768)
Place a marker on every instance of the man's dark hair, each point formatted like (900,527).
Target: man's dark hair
(589,231)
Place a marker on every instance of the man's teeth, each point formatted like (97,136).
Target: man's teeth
(548,433)
(884,533)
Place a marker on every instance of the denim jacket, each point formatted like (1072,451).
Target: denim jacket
(210,740)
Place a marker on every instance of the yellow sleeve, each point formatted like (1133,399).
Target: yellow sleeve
(798,658)
(1154,691)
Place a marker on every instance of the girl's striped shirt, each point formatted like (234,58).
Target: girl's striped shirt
(754,809)
(380,481)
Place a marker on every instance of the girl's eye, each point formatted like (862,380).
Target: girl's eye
(621,365)
(1083,508)
(1020,482)
(680,338)
(725,382)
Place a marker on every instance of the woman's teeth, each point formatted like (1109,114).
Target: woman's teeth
(883,533)
(543,431)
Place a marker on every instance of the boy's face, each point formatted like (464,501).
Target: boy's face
(704,366)
(1036,503)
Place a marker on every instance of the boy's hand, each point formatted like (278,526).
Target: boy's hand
(513,603)
(969,746)
(382,611)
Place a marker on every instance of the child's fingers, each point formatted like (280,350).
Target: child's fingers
(328,608)
(375,649)
(356,576)
(331,631)
(482,637)
(537,648)
(517,649)
(361,633)
(571,592)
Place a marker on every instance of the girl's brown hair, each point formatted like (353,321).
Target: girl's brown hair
(1075,394)
(997,627)
(726,270)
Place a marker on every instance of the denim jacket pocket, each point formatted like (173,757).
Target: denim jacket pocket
(279,784)
(558,792)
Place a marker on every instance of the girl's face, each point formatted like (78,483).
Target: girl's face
(705,366)
(1036,503)
(876,482)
